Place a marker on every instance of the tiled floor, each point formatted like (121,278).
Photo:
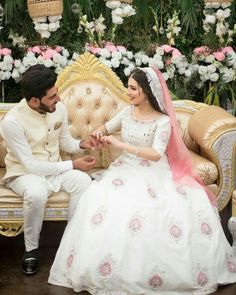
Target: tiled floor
(14,282)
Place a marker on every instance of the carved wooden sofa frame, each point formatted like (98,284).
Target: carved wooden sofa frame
(93,94)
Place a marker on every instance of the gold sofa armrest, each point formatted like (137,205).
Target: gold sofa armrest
(214,130)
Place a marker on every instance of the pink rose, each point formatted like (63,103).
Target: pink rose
(120,48)
(36,49)
(48,53)
(5,51)
(94,50)
(200,50)
(176,53)
(220,56)
(110,47)
(167,48)
(227,49)
(59,49)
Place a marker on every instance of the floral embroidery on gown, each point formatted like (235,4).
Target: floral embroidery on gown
(136,231)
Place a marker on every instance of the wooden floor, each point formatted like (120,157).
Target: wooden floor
(14,282)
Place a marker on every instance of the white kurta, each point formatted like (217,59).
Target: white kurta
(136,231)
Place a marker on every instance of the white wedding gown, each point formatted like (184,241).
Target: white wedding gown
(137,232)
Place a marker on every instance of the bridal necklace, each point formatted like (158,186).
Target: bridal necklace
(146,113)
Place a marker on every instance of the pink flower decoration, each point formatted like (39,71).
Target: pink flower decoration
(117,182)
(175,231)
(202,279)
(167,48)
(110,47)
(176,53)
(220,56)
(227,49)
(59,49)
(200,50)
(135,225)
(70,260)
(121,48)
(97,219)
(94,50)
(5,51)
(48,53)
(36,49)
(155,281)
(231,266)
(206,229)
(105,269)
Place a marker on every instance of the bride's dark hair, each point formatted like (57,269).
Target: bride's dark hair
(140,77)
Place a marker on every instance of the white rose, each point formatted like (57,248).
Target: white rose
(214,77)
(117,20)
(159,51)
(127,72)
(115,63)
(104,53)
(113,4)
(202,70)
(138,62)
(188,73)
(128,10)
(211,68)
(48,63)
(116,54)
(129,54)
(105,62)
(210,19)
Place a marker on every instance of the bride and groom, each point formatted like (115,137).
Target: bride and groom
(142,226)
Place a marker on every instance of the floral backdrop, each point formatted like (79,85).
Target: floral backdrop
(192,42)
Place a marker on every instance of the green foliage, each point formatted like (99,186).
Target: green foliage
(141,32)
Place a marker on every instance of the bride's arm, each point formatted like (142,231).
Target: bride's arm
(147,153)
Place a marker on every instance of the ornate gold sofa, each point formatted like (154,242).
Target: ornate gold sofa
(93,94)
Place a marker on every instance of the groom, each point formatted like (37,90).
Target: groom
(35,131)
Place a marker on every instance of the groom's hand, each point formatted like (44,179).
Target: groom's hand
(84,164)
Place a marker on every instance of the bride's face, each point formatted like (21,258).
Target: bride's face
(135,93)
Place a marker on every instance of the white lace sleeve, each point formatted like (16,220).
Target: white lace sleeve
(115,123)
(162,135)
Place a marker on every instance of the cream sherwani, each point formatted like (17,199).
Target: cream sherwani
(33,165)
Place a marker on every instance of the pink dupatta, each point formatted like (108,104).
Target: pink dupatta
(177,152)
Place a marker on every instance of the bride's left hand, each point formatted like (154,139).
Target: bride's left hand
(111,140)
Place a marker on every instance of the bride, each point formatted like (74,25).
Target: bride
(147,226)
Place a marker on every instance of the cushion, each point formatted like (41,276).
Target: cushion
(204,168)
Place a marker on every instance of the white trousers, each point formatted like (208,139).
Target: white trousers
(35,191)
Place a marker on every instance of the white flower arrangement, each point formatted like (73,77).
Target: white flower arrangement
(56,58)
(215,20)
(6,64)
(44,25)
(120,11)
(173,28)
(213,66)
(168,59)
(96,26)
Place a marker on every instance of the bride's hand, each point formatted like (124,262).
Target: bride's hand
(111,140)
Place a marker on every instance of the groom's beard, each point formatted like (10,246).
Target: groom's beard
(44,108)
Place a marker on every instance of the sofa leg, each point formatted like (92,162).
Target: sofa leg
(232,229)
(11,229)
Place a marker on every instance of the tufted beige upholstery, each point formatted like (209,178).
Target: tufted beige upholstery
(93,94)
